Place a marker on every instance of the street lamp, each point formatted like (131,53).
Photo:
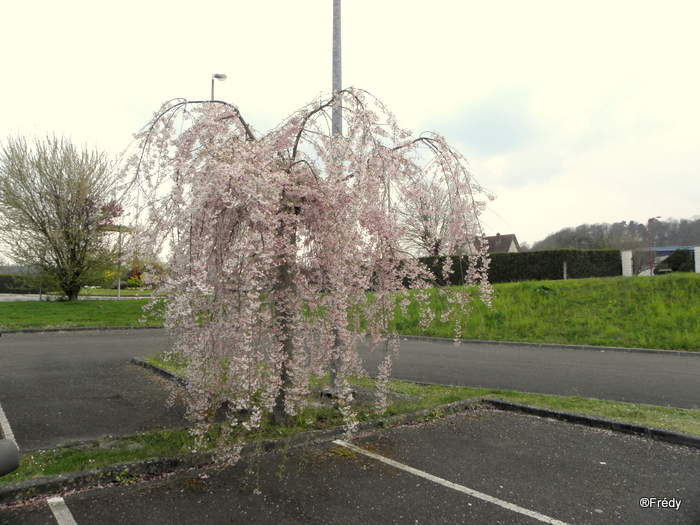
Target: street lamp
(651,256)
(217,76)
(117,228)
(337,114)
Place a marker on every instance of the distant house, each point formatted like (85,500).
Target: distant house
(503,243)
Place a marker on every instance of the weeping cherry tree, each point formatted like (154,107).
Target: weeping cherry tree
(287,250)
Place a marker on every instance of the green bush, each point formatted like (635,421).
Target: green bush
(134,282)
(18,284)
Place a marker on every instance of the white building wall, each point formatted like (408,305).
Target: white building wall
(697,259)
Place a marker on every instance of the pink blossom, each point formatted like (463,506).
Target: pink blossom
(275,240)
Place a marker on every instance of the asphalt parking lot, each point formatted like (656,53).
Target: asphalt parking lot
(484,466)
(56,390)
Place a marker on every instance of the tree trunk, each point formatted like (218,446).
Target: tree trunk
(284,313)
(284,285)
(72,293)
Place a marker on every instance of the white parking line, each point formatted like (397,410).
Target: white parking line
(455,486)
(5,427)
(60,511)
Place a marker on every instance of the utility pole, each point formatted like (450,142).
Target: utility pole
(337,117)
(117,228)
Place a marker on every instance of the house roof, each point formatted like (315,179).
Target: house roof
(502,243)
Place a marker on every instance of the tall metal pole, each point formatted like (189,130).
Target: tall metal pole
(337,129)
(337,117)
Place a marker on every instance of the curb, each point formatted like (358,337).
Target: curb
(635,429)
(553,345)
(166,374)
(695,353)
(78,329)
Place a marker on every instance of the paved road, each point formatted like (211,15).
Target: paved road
(655,379)
(13,297)
(485,467)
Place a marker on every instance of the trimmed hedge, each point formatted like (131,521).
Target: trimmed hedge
(534,266)
(15,284)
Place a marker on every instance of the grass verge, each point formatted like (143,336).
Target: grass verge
(64,314)
(632,312)
(412,397)
(124,292)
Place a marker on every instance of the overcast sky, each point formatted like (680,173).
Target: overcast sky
(571,112)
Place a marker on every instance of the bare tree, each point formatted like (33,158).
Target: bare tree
(55,198)
(426,220)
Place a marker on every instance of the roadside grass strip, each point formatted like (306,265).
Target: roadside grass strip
(117,459)
(455,486)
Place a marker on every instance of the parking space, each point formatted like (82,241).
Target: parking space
(480,466)
(57,389)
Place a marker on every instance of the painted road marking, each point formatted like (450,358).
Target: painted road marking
(5,427)
(60,511)
(455,486)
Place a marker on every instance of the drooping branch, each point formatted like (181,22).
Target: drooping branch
(275,243)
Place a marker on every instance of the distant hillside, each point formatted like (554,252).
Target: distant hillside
(624,235)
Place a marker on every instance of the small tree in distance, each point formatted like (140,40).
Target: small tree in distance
(275,240)
(426,218)
(54,198)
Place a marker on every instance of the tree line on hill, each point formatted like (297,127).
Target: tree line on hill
(624,235)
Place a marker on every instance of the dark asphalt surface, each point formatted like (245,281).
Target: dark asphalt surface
(664,379)
(57,388)
(561,471)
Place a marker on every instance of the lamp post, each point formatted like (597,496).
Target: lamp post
(651,256)
(337,114)
(217,76)
(117,228)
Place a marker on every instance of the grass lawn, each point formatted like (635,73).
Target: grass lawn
(64,314)
(633,312)
(638,312)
